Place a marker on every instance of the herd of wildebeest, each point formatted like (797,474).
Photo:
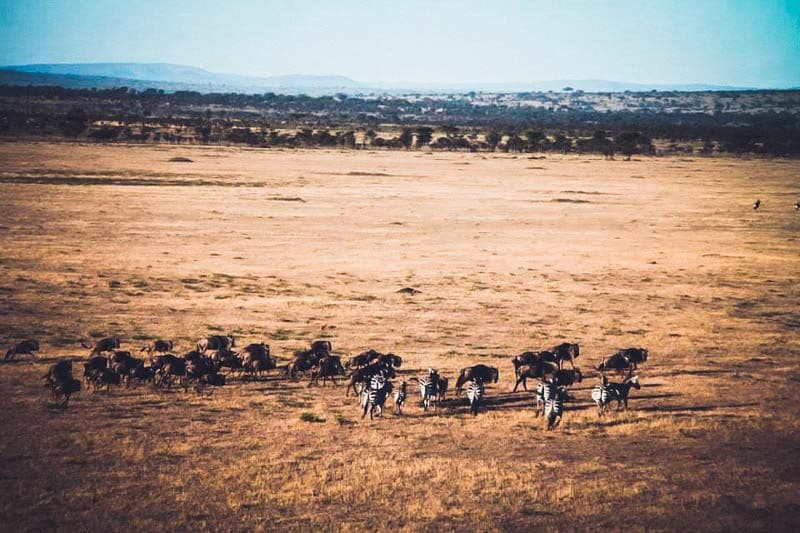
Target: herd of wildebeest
(216,359)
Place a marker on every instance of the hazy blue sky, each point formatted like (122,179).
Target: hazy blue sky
(754,43)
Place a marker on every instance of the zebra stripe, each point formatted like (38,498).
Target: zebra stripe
(601,395)
(544,391)
(475,392)
(427,390)
(554,410)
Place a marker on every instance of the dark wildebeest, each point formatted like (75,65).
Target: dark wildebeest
(442,392)
(391,359)
(108,344)
(532,358)
(125,367)
(94,366)
(59,372)
(486,374)
(329,367)
(303,362)
(256,351)
(158,346)
(363,375)
(167,368)
(363,359)
(566,352)
(216,343)
(27,347)
(209,380)
(60,381)
(534,370)
(105,377)
(197,368)
(618,362)
(635,356)
(566,378)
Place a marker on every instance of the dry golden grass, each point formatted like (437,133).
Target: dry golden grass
(509,253)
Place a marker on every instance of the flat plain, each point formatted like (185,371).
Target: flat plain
(509,253)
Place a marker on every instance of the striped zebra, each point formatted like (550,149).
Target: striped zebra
(601,396)
(429,388)
(475,393)
(554,409)
(400,398)
(374,396)
(544,391)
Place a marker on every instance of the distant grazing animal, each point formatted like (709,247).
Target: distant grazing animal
(483,372)
(601,396)
(567,378)
(475,392)
(429,388)
(209,380)
(617,362)
(797,206)
(303,362)
(321,348)
(566,352)
(60,381)
(756,204)
(256,351)
(59,372)
(216,343)
(391,359)
(635,356)
(168,368)
(27,347)
(532,358)
(554,409)
(544,391)
(329,367)
(108,344)
(443,383)
(604,393)
(400,398)
(157,346)
(93,367)
(363,359)
(536,370)
(197,368)
(105,378)
(374,395)
(362,376)
(230,360)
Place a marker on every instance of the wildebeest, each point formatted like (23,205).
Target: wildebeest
(363,359)
(258,350)
(532,358)
(60,381)
(216,343)
(485,373)
(442,392)
(303,362)
(158,346)
(756,204)
(618,362)
(635,356)
(27,347)
(94,366)
(534,370)
(169,367)
(566,352)
(104,378)
(108,344)
(566,378)
(391,359)
(328,367)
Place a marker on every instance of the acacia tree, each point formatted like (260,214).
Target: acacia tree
(406,138)
(424,136)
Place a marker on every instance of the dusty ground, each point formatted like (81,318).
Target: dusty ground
(509,253)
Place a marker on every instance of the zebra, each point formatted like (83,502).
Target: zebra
(374,396)
(429,388)
(475,392)
(554,408)
(400,398)
(544,391)
(601,396)
(605,392)
(620,391)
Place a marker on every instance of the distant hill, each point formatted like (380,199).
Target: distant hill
(171,77)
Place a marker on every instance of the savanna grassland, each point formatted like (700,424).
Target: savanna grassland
(509,254)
